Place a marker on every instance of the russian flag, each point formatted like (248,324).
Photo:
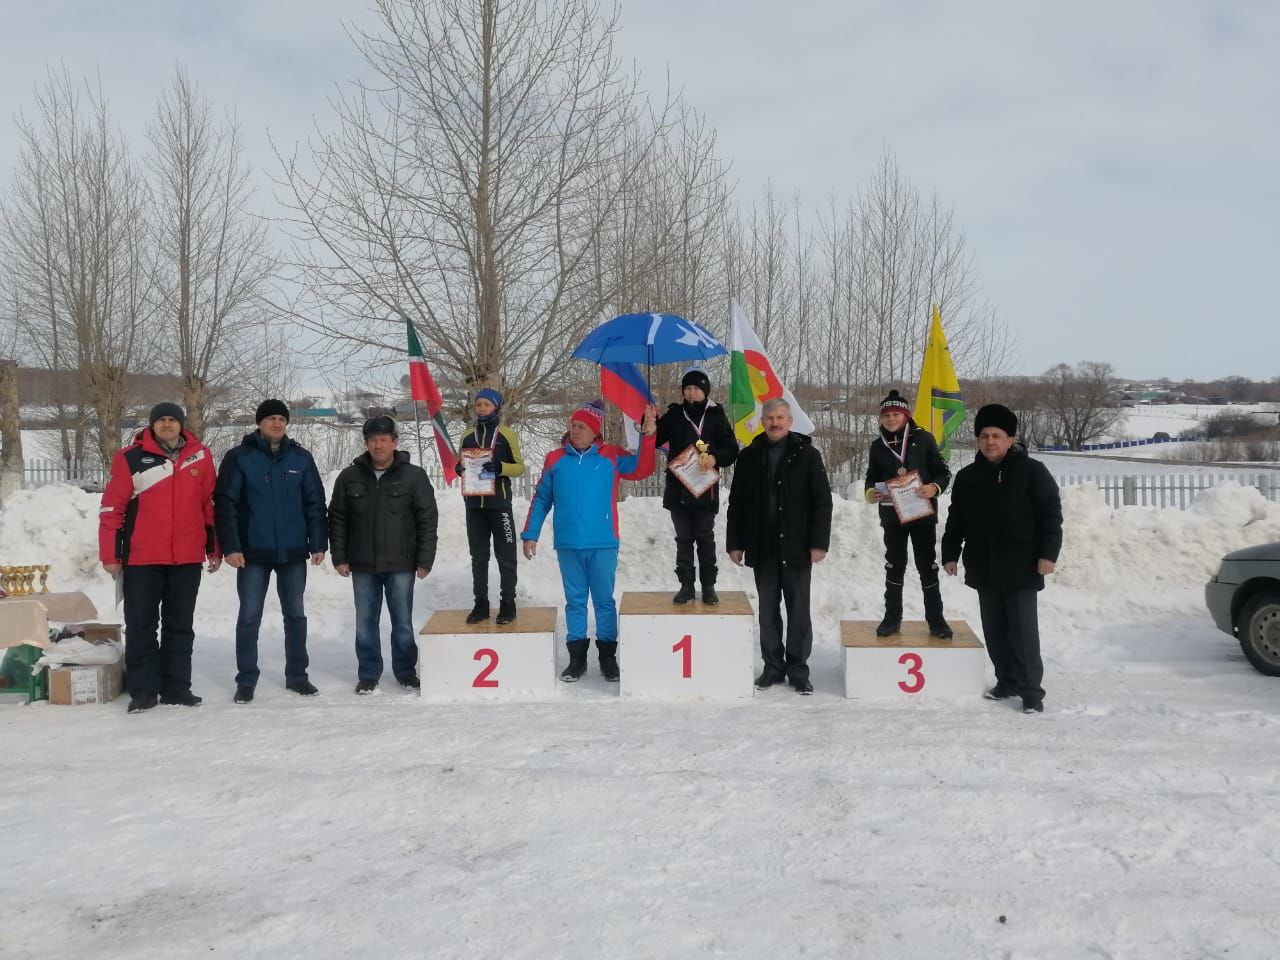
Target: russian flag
(623,385)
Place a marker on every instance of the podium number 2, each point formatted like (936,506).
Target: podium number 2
(482,678)
(685,648)
(913,663)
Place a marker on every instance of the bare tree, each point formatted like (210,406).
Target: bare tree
(1080,402)
(213,262)
(467,191)
(10,430)
(73,239)
(844,306)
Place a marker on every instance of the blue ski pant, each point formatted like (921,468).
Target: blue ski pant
(589,573)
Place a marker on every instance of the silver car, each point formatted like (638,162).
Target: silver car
(1244,600)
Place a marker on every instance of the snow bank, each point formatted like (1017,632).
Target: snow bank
(1135,818)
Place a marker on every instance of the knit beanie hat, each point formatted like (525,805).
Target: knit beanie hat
(271,408)
(697,377)
(379,425)
(490,394)
(591,413)
(167,409)
(996,415)
(895,401)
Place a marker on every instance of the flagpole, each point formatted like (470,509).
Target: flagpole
(417,419)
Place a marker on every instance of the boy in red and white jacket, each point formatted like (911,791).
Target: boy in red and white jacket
(155,528)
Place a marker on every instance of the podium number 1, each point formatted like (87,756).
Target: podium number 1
(482,678)
(685,648)
(913,663)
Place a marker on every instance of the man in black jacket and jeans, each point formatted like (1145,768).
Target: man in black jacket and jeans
(382,530)
(1006,516)
(779,524)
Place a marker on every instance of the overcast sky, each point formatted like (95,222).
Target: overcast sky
(1113,164)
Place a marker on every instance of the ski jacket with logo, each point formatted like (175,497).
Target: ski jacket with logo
(270,506)
(582,486)
(155,510)
(506,450)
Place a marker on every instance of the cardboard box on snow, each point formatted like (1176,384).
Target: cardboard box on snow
(73,685)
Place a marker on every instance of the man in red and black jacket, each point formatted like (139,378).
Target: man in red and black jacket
(155,528)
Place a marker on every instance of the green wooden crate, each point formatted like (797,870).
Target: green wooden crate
(21,685)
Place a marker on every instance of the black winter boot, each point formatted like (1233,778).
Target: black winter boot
(708,577)
(686,592)
(892,621)
(506,612)
(938,626)
(578,650)
(608,650)
(479,612)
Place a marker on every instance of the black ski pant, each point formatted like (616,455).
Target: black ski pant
(1010,624)
(164,597)
(695,528)
(776,583)
(485,524)
(924,546)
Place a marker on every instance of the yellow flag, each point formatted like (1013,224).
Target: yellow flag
(939,407)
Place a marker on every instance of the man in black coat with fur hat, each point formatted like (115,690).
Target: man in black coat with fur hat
(901,447)
(1006,518)
(697,419)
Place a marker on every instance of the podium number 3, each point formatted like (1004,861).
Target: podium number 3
(913,663)
(482,678)
(685,648)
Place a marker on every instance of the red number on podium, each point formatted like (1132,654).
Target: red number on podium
(685,647)
(482,678)
(913,663)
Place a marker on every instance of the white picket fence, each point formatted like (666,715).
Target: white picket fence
(41,473)
(1171,490)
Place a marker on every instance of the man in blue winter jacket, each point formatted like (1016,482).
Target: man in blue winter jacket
(580,480)
(270,516)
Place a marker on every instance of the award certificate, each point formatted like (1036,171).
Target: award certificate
(686,469)
(476,482)
(908,502)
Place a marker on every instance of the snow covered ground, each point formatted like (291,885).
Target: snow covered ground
(1136,818)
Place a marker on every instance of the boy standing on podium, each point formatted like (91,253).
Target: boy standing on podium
(901,447)
(489,517)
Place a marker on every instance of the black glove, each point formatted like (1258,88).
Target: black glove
(492,466)
(457,468)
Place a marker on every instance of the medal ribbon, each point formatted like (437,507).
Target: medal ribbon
(900,457)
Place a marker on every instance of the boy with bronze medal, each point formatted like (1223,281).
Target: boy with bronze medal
(905,474)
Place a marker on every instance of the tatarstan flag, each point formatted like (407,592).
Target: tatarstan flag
(939,407)
(752,381)
(422,388)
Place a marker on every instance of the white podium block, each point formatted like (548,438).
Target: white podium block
(483,661)
(688,651)
(911,664)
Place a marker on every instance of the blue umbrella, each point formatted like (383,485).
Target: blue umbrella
(649,338)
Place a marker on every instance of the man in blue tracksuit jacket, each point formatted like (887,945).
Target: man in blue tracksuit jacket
(580,480)
(270,517)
